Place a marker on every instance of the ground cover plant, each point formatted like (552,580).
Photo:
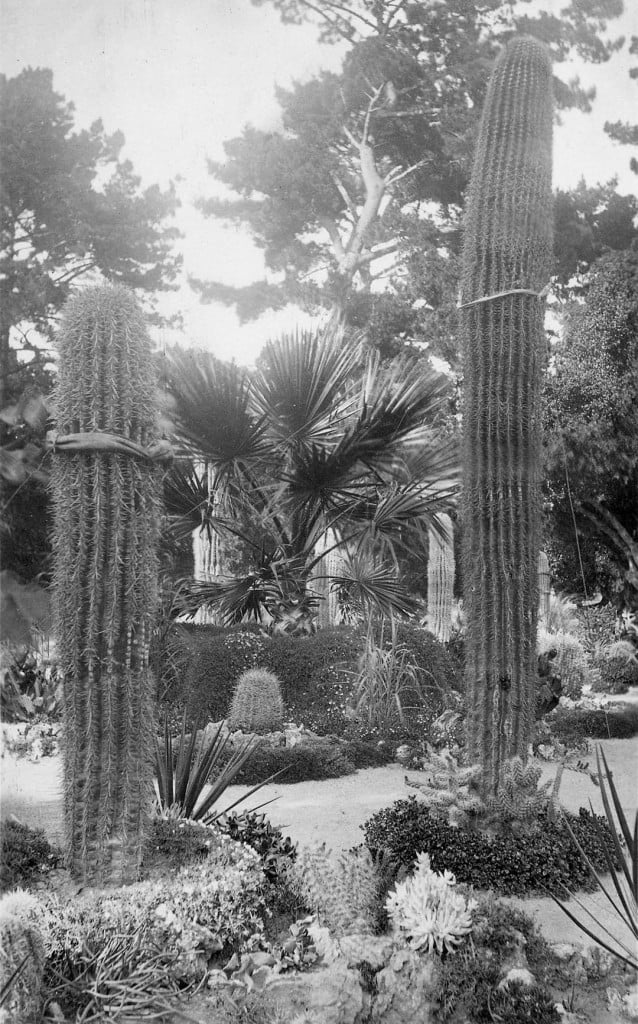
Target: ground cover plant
(542,861)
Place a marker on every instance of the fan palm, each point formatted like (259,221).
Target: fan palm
(302,446)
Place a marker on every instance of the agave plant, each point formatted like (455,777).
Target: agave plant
(304,446)
(190,783)
(622,893)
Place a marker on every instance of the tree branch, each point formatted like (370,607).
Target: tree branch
(332,230)
(392,177)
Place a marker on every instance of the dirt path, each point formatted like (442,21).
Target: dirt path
(333,811)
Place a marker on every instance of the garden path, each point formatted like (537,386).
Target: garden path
(332,811)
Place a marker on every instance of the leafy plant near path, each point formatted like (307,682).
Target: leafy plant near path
(622,866)
(182,780)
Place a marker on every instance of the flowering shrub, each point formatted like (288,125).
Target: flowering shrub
(428,911)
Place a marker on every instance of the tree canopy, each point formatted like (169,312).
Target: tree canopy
(592,425)
(70,206)
(356,201)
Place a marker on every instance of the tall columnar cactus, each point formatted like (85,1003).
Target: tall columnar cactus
(441,569)
(106,490)
(506,265)
(330,565)
(544,587)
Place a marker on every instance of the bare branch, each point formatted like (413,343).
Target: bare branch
(350,203)
(332,230)
(369,112)
(392,178)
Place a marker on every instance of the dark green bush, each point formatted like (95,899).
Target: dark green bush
(311,669)
(25,855)
(513,865)
(254,829)
(579,723)
(322,758)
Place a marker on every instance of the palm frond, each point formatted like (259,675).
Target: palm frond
(299,391)
(373,587)
(212,411)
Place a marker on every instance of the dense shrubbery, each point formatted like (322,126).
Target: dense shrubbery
(515,865)
(573,724)
(316,672)
(25,854)
(322,758)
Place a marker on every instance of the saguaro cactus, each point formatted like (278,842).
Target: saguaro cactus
(441,568)
(506,265)
(106,490)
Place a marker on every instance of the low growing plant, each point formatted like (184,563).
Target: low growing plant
(25,855)
(185,789)
(426,910)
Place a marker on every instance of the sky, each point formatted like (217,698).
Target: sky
(178,77)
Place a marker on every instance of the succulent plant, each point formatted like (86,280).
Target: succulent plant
(257,705)
(506,265)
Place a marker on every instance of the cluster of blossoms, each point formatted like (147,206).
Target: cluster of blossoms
(427,911)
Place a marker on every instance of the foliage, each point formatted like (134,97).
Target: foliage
(344,889)
(544,860)
(620,722)
(321,757)
(621,863)
(387,687)
(276,852)
(304,446)
(173,842)
(257,705)
(29,685)
(190,783)
(312,671)
(132,945)
(591,422)
(373,161)
(106,504)
(427,911)
(570,661)
(36,739)
(615,667)
(506,264)
(562,616)
(70,206)
(21,956)
(468,983)
(449,789)
(25,856)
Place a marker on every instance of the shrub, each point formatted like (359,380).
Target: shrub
(25,853)
(343,890)
(173,842)
(131,943)
(570,724)
(468,982)
(616,667)
(544,861)
(313,760)
(257,705)
(275,852)
(311,670)
(571,660)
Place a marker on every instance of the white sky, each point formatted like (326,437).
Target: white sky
(178,77)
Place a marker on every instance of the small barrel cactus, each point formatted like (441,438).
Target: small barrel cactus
(257,704)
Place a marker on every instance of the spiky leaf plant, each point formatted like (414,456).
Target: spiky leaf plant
(506,264)
(106,489)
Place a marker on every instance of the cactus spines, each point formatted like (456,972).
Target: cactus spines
(506,264)
(441,578)
(106,527)
(257,704)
